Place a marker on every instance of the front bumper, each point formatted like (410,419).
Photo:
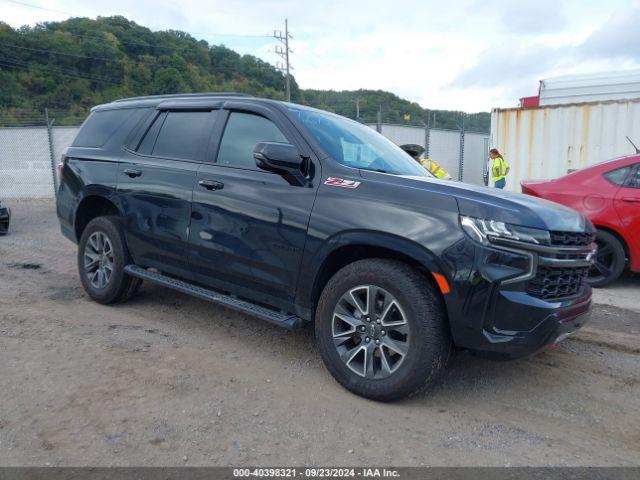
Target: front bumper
(552,322)
(497,309)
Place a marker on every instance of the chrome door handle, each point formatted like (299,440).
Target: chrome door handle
(211,184)
(132,173)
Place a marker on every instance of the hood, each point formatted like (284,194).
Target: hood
(496,204)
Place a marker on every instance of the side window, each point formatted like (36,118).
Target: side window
(183,135)
(100,125)
(149,140)
(634,181)
(242,133)
(618,176)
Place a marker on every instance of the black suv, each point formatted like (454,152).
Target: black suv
(297,216)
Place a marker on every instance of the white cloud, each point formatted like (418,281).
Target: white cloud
(461,54)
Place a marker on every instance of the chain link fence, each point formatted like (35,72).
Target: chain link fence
(28,158)
(31,145)
(462,154)
(31,148)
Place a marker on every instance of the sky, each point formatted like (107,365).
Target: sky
(469,55)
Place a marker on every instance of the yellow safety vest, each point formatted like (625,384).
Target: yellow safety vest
(433,167)
(502,166)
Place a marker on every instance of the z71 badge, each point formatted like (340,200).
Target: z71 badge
(340,182)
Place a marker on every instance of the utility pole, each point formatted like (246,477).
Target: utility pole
(358,108)
(284,54)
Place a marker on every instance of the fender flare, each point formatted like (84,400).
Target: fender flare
(95,190)
(364,238)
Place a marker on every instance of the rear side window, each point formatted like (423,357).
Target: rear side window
(634,181)
(242,133)
(618,176)
(184,135)
(101,125)
(149,140)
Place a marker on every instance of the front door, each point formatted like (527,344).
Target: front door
(155,186)
(249,226)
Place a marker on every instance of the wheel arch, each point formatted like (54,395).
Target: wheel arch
(92,205)
(616,234)
(354,246)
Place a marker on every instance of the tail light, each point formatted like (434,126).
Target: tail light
(63,161)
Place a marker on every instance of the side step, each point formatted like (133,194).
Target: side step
(282,319)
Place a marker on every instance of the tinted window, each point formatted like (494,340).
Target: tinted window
(149,140)
(101,125)
(618,175)
(242,133)
(634,181)
(183,135)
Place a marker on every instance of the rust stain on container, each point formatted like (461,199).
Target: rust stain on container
(584,139)
(530,146)
(516,141)
(556,142)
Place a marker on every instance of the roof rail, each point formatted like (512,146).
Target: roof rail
(183,95)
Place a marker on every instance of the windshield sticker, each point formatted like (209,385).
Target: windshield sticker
(339,182)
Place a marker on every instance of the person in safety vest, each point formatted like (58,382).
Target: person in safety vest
(499,169)
(435,169)
(431,165)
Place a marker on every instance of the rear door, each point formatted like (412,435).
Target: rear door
(627,205)
(249,226)
(155,185)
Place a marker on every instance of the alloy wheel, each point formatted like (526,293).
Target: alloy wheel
(370,332)
(603,264)
(98,259)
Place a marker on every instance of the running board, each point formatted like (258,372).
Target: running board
(282,319)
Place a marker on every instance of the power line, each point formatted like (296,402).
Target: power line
(284,53)
(139,44)
(13,63)
(244,35)
(119,61)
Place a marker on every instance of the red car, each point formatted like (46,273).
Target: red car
(609,195)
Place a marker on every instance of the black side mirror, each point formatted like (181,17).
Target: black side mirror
(282,158)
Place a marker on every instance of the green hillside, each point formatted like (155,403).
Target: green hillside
(72,65)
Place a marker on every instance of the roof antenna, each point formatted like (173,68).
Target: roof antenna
(634,145)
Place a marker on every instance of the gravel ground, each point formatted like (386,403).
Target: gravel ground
(167,379)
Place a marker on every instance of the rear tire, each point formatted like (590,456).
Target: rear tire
(610,260)
(392,359)
(102,256)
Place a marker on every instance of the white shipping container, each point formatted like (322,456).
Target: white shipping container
(547,142)
(595,87)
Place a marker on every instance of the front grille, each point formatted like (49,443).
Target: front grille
(552,283)
(571,239)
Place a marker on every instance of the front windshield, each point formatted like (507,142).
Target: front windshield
(355,145)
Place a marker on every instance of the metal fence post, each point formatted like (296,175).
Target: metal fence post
(427,138)
(51,152)
(461,157)
(485,162)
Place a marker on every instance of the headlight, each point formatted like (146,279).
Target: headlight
(485,231)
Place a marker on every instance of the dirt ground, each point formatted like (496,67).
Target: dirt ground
(167,379)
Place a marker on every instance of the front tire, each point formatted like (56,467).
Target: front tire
(102,256)
(381,329)
(610,260)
